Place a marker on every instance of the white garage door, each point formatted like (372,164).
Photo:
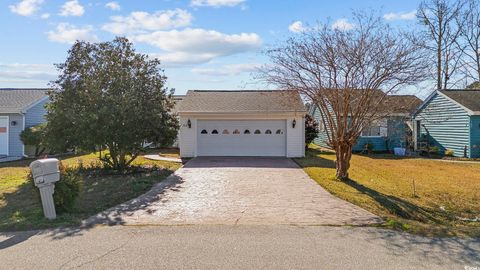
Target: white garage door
(241,138)
(3,135)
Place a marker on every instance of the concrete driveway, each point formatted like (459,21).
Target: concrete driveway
(237,190)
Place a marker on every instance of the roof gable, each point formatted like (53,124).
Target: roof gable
(469,99)
(19,100)
(244,101)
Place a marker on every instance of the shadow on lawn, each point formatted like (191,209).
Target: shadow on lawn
(396,206)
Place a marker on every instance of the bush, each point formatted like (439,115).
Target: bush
(311,130)
(433,149)
(67,189)
(369,147)
(449,152)
(34,136)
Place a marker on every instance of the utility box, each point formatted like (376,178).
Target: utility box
(45,174)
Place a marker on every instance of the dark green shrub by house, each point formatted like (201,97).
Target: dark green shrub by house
(67,189)
(311,130)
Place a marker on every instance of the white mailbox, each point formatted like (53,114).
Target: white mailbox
(45,173)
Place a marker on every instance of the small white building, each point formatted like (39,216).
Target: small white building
(242,123)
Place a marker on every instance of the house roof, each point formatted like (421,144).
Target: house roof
(177,99)
(19,100)
(403,103)
(241,101)
(468,98)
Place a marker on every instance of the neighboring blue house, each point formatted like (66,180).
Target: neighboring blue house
(385,134)
(19,109)
(450,119)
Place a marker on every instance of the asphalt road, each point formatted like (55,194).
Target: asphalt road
(233,247)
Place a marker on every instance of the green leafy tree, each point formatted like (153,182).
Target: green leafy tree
(108,97)
(311,130)
(34,136)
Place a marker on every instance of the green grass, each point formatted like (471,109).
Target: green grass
(445,193)
(21,210)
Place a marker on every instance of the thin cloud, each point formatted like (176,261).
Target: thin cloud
(66,33)
(342,24)
(72,8)
(296,27)
(26,7)
(113,6)
(216,3)
(194,46)
(405,16)
(228,70)
(140,21)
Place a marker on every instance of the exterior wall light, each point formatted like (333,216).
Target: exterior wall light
(294,123)
(13,123)
(189,123)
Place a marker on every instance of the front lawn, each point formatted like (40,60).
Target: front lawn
(446,200)
(20,210)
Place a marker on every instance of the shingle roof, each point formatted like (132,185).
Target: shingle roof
(16,100)
(403,103)
(225,101)
(469,98)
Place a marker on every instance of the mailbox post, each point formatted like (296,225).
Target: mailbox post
(45,173)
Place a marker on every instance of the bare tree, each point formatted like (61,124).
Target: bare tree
(470,37)
(442,27)
(341,72)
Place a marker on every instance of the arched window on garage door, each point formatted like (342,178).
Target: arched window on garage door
(257,131)
(246,131)
(236,131)
(225,131)
(214,131)
(268,131)
(204,131)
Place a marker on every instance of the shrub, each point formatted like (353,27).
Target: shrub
(311,130)
(449,152)
(34,136)
(67,189)
(369,147)
(434,149)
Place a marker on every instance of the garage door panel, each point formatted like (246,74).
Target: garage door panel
(241,144)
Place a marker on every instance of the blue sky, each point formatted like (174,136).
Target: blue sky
(203,44)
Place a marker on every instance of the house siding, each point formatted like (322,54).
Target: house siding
(295,137)
(445,124)
(396,135)
(15,145)
(36,114)
(379,144)
(322,137)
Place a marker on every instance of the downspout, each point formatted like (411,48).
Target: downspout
(470,129)
(23,128)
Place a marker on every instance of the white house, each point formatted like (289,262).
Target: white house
(242,123)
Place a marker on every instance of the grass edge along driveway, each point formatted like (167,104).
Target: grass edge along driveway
(446,199)
(21,210)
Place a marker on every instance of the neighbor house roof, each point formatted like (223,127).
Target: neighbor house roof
(243,101)
(19,100)
(403,103)
(468,98)
(177,99)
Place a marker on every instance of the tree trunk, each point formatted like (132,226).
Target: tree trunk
(343,153)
